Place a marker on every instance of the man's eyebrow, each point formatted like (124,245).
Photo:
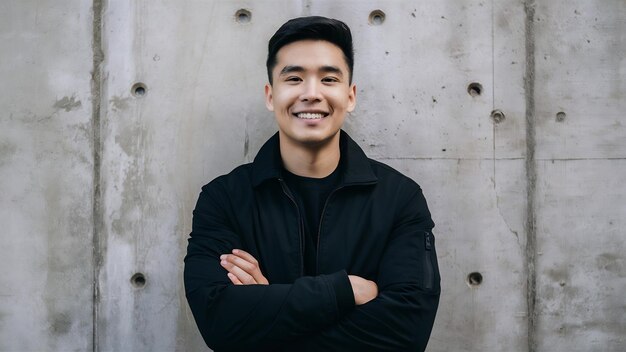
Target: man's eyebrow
(290,69)
(332,69)
(326,69)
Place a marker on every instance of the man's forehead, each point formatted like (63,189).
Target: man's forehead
(297,55)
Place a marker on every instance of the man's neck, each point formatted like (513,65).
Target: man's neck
(316,161)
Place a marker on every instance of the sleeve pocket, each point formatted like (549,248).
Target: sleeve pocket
(430,267)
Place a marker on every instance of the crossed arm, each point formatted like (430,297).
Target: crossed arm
(243,269)
(237,309)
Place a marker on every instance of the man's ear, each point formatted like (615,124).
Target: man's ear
(269,98)
(352,97)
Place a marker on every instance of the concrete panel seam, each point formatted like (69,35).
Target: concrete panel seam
(531,173)
(443,158)
(96,91)
(493,90)
(578,159)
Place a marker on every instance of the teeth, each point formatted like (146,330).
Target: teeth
(309,116)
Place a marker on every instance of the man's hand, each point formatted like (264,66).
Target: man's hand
(364,290)
(242,268)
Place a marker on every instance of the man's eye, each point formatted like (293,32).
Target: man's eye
(293,79)
(329,79)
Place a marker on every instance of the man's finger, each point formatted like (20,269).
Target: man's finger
(243,276)
(257,274)
(245,255)
(241,263)
(246,262)
(234,279)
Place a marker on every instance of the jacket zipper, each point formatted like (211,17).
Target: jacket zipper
(300,226)
(428,265)
(319,228)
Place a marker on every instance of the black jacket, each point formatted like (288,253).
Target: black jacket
(376,225)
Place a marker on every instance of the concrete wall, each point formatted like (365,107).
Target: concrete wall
(98,181)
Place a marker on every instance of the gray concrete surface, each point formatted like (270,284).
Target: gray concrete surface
(581,169)
(46,180)
(97,183)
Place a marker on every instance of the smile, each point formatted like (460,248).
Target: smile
(310,115)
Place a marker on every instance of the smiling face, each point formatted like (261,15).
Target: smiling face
(311,93)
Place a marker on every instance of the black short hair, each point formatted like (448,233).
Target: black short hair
(311,28)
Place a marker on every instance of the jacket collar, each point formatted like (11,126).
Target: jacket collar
(354,164)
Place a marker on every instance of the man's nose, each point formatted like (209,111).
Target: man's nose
(312,91)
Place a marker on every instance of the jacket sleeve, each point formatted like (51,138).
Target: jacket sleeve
(247,317)
(402,316)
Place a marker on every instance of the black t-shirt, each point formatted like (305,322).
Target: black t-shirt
(311,195)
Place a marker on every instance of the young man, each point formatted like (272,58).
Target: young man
(312,246)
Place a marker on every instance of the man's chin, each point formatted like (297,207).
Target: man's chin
(315,141)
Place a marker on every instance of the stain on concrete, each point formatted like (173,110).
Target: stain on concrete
(61,324)
(588,326)
(503,23)
(67,255)
(135,140)
(129,139)
(68,104)
(119,103)
(7,150)
(611,263)
(558,275)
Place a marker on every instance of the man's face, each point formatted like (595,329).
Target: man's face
(311,93)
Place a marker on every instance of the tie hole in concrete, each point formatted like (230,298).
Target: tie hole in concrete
(139,89)
(243,16)
(138,280)
(474,279)
(474,89)
(560,116)
(377,17)
(497,116)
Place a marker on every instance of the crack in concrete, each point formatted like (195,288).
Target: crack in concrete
(96,92)
(504,218)
(531,175)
